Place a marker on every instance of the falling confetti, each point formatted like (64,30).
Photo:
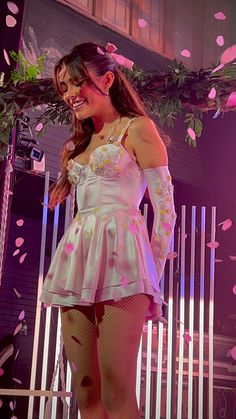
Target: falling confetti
(233,258)
(17,380)
(218,68)
(16,355)
(1,372)
(21,315)
(20,222)
(17,293)
(226,224)
(22,258)
(142,23)
(11,405)
(70,146)
(219,16)
(187,337)
(231,101)
(39,127)
(213,245)
(18,329)
(10,21)
(6,57)
(218,260)
(234,289)
(19,241)
(12,7)
(233,353)
(228,55)
(185,53)
(191,133)
(212,93)
(69,247)
(220,40)
(16,252)
(216,114)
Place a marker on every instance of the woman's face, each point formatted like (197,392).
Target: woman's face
(84,99)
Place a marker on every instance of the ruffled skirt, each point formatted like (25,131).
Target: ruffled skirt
(105,254)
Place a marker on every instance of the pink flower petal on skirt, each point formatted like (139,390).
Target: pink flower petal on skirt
(13,7)
(21,315)
(19,241)
(16,252)
(142,23)
(18,329)
(20,222)
(212,93)
(228,55)
(10,21)
(17,293)
(231,101)
(191,133)
(220,40)
(69,247)
(17,380)
(22,258)
(185,53)
(1,371)
(234,289)
(70,146)
(233,258)
(213,245)
(220,16)
(233,353)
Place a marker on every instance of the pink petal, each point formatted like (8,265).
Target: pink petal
(1,371)
(124,281)
(17,380)
(11,405)
(20,222)
(142,23)
(19,241)
(73,367)
(1,403)
(17,329)
(226,224)
(231,101)
(16,355)
(219,16)
(233,352)
(21,315)
(6,57)
(17,293)
(233,258)
(12,7)
(132,228)
(69,247)
(10,21)
(220,40)
(228,55)
(22,258)
(213,245)
(234,289)
(187,337)
(70,146)
(39,127)
(185,53)
(16,252)
(100,51)
(218,68)
(191,133)
(219,260)
(172,255)
(212,93)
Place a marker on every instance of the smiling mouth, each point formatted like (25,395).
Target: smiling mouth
(77,104)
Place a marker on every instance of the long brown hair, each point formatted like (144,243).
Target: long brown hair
(123,97)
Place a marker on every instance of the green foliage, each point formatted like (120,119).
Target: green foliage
(26,71)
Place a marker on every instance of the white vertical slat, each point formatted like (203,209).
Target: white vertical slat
(38,303)
(48,323)
(139,359)
(170,335)
(159,360)
(148,370)
(191,314)
(181,317)
(58,333)
(201,315)
(211,315)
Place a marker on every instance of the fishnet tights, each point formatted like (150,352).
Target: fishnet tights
(102,342)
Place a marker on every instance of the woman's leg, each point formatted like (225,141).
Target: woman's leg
(80,341)
(120,325)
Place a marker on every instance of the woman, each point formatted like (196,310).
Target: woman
(105,273)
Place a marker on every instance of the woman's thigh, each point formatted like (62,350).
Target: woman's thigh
(80,341)
(120,326)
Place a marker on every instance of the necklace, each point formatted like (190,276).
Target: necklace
(110,138)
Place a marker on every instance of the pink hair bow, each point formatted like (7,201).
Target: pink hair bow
(120,59)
